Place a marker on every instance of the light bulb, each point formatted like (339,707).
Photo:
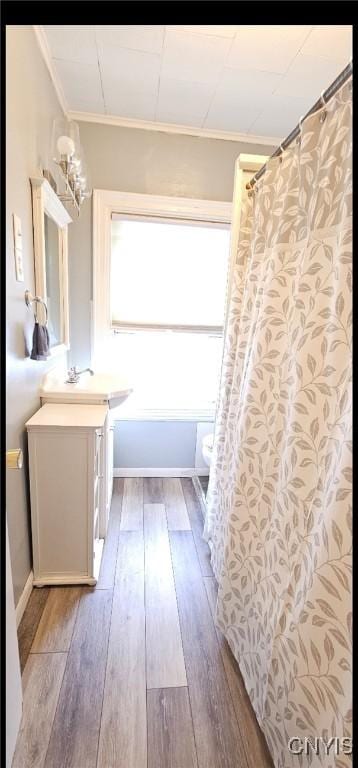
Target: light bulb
(65,146)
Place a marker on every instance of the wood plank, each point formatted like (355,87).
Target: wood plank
(75,732)
(217,735)
(30,621)
(256,749)
(170,729)
(164,650)
(123,734)
(153,490)
(197,525)
(132,504)
(109,556)
(177,514)
(54,632)
(42,680)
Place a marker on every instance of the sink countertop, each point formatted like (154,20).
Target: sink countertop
(64,415)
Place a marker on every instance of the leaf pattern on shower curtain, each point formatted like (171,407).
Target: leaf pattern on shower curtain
(279,499)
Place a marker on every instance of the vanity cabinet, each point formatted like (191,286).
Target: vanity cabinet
(67,488)
(90,398)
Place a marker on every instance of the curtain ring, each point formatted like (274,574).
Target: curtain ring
(281,153)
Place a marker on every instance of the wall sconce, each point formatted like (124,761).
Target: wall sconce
(68,156)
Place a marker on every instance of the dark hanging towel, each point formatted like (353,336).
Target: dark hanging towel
(40,342)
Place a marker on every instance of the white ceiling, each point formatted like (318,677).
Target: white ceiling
(254,80)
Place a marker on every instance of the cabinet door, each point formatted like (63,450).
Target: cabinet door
(110,462)
(98,461)
(107,476)
(62,488)
(102,479)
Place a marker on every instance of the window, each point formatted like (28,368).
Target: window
(168,274)
(160,274)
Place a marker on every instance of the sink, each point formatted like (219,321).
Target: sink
(116,400)
(99,388)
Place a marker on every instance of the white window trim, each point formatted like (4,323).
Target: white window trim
(107,201)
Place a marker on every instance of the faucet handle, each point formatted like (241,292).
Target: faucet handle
(72,375)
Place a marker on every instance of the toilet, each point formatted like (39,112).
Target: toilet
(207,448)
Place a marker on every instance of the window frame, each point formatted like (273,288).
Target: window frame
(106,202)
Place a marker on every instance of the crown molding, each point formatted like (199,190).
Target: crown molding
(46,54)
(147,125)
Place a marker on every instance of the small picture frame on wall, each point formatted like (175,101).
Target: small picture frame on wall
(19,268)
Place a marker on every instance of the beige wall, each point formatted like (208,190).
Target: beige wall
(151,162)
(31,105)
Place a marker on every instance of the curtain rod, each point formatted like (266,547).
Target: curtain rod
(323,99)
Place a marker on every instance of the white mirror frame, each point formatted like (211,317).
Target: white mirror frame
(45,201)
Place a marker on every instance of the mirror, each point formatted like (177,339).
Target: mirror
(52,257)
(50,220)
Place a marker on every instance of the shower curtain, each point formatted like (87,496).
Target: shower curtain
(279,497)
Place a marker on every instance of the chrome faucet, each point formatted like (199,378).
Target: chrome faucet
(74,375)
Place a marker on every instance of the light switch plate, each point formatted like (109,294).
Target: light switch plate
(17,232)
(19,265)
(18,248)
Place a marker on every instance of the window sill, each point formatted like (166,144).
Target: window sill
(163,414)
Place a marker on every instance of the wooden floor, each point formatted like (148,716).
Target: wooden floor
(133,673)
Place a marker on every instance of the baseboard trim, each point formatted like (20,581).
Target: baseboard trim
(24,599)
(160,471)
(56,581)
